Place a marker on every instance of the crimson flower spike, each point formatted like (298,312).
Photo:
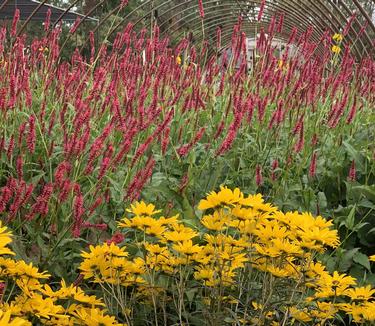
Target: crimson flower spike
(16,18)
(47,21)
(201,9)
(261,10)
(352,172)
(258,175)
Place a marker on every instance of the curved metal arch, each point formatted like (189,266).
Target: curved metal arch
(334,22)
(235,19)
(322,29)
(344,20)
(227,38)
(169,10)
(194,15)
(82,20)
(220,21)
(323,15)
(359,24)
(3,4)
(195,5)
(227,35)
(65,12)
(29,18)
(364,13)
(228,29)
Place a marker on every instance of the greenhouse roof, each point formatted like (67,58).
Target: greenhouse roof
(36,10)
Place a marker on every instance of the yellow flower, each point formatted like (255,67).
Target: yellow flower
(187,248)
(28,285)
(205,255)
(268,231)
(155,230)
(204,273)
(42,308)
(180,233)
(324,310)
(224,198)
(137,266)
(314,272)
(335,285)
(278,272)
(5,320)
(178,60)
(336,49)
(363,293)
(28,271)
(338,37)
(43,49)
(360,312)
(105,250)
(95,317)
(155,249)
(311,237)
(7,266)
(170,221)
(372,258)
(216,221)
(142,209)
(286,246)
(5,239)
(300,315)
(91,267)
(265,250)
(139,222)
(71,292)
(257,202)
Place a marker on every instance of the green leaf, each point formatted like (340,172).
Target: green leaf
(349,222)
(322,200)
(363,260)
(366,191)
(354,154)
(188,212)
(346,260)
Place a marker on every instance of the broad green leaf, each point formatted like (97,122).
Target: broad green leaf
(363,260)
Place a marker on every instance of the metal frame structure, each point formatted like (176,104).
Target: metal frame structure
(36,10)
(323,15)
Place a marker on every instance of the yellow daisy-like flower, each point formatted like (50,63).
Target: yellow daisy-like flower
(142,209)
(300,315)
(216,221)
(95,317)
(5,239)
(363,293)
(372,258)
(338,37)
(91,267)
(336,49)
(28,271)
(224,198)
(324,310)
(187,248)
(6,319)
(334,285)
(180,233)
(41,307)
(257,203)
(178,60)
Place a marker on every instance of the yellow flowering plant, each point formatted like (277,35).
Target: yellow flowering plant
(26,298)
(246,263)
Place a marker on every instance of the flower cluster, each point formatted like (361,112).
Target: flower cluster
(26,298)
(337,38)
(243,253)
